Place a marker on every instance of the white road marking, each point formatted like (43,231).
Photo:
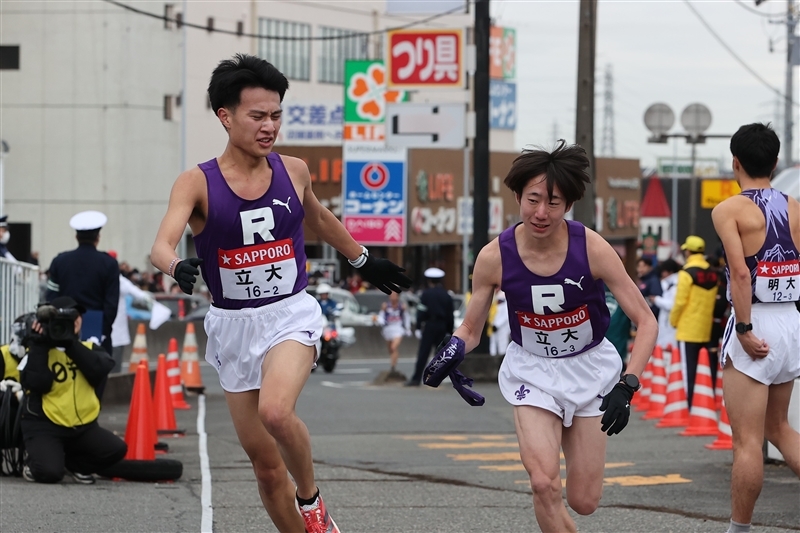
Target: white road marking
(207,520)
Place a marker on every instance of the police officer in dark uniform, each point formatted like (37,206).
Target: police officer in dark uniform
(434,320)
(5,235)
(89,276)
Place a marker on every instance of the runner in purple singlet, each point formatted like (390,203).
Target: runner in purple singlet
(760,355)
(559,372)
(246,210)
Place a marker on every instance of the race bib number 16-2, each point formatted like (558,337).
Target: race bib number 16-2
(260,271)
(778,281)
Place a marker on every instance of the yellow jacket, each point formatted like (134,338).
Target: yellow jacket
(693,311)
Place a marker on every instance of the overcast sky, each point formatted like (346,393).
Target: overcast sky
(659,52)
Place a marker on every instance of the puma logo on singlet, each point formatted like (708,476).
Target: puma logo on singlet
(576,283)
(275,201)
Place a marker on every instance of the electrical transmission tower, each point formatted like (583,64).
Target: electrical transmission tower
(607,146)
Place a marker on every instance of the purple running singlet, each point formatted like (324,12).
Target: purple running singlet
(562,315)
(253,250)
(775,268)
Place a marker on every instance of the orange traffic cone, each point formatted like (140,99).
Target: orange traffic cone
(140,433)
(139,352)
(724,435)
(642,400)
(162,402)
(676,410)
(658,394)
(190,366)
(174,375)
(702,415)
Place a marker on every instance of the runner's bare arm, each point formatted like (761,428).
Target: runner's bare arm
(606,265)
(725,219)
(185,203)
(486,276)
(319,218)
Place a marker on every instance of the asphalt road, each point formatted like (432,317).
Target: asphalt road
(396,459)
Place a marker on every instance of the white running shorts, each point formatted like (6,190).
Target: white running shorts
(392,331)
(568,386)
(238,339)
(779,325)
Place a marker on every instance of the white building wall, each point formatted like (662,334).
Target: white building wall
(83,117)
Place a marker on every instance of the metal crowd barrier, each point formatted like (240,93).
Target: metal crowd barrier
(19,293)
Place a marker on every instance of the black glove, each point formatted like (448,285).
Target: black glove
(617,407)
(186,273)
(384,275)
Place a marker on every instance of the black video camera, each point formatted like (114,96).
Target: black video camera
(58,325)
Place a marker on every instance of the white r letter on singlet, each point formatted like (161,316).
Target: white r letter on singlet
(551,296)
(257,221)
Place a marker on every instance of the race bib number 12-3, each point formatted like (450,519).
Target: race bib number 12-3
(260,271)
(778,281)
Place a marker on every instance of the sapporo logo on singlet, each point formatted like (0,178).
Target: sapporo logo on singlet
(778,281)
(560,334)
(258,270)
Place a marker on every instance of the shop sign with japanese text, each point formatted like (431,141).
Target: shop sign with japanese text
(502,105)
(365,98)
(310,123)
(374,193)
(425,58)
(502,53)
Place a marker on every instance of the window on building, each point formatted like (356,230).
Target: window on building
(346,44)
(239,27)
(293,58)
(9,57)
(210,24)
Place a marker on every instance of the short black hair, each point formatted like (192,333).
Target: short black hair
(242,72)
(87,236)
(564,167)
(669,265)
(756,146)
(647,260)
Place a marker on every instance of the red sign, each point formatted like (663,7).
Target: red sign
(376,230)
(425,58)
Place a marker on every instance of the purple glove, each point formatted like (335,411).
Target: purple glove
(449,355)
(460,383)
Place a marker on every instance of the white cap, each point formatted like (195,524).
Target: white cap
(434,273)
(88,221)
(323,288)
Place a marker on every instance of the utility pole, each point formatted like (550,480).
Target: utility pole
(480,155)
(583,211)
(788,124)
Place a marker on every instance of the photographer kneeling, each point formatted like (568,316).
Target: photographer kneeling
(59,417)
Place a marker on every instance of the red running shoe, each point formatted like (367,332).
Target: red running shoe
(316,517)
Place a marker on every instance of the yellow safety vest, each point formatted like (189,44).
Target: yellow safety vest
(11,363)
(71,401)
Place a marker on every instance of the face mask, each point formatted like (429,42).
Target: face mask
(6,237)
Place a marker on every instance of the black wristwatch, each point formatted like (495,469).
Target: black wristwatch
(742,328)
(631,381)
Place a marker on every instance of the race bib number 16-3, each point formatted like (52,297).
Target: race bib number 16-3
(261,271)
(559,335)
(778,281)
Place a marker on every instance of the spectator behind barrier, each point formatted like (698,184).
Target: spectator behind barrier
(60,409)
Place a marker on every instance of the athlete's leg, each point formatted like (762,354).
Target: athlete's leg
(284,371)
(394,350)
(539,435)
(584,447)
(746,403)
(777,428)
(274,486)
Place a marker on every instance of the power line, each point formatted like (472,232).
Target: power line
(756,11)
(181,22)
(736,56)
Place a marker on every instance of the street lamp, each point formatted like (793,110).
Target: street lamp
(695,119)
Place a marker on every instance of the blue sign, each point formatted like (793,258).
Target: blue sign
(374,188)
(502,104)
(311,123)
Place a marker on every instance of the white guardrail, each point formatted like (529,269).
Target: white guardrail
(19,293)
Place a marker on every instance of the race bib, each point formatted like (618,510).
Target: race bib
(559,335)
(261,271)
(778,281)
